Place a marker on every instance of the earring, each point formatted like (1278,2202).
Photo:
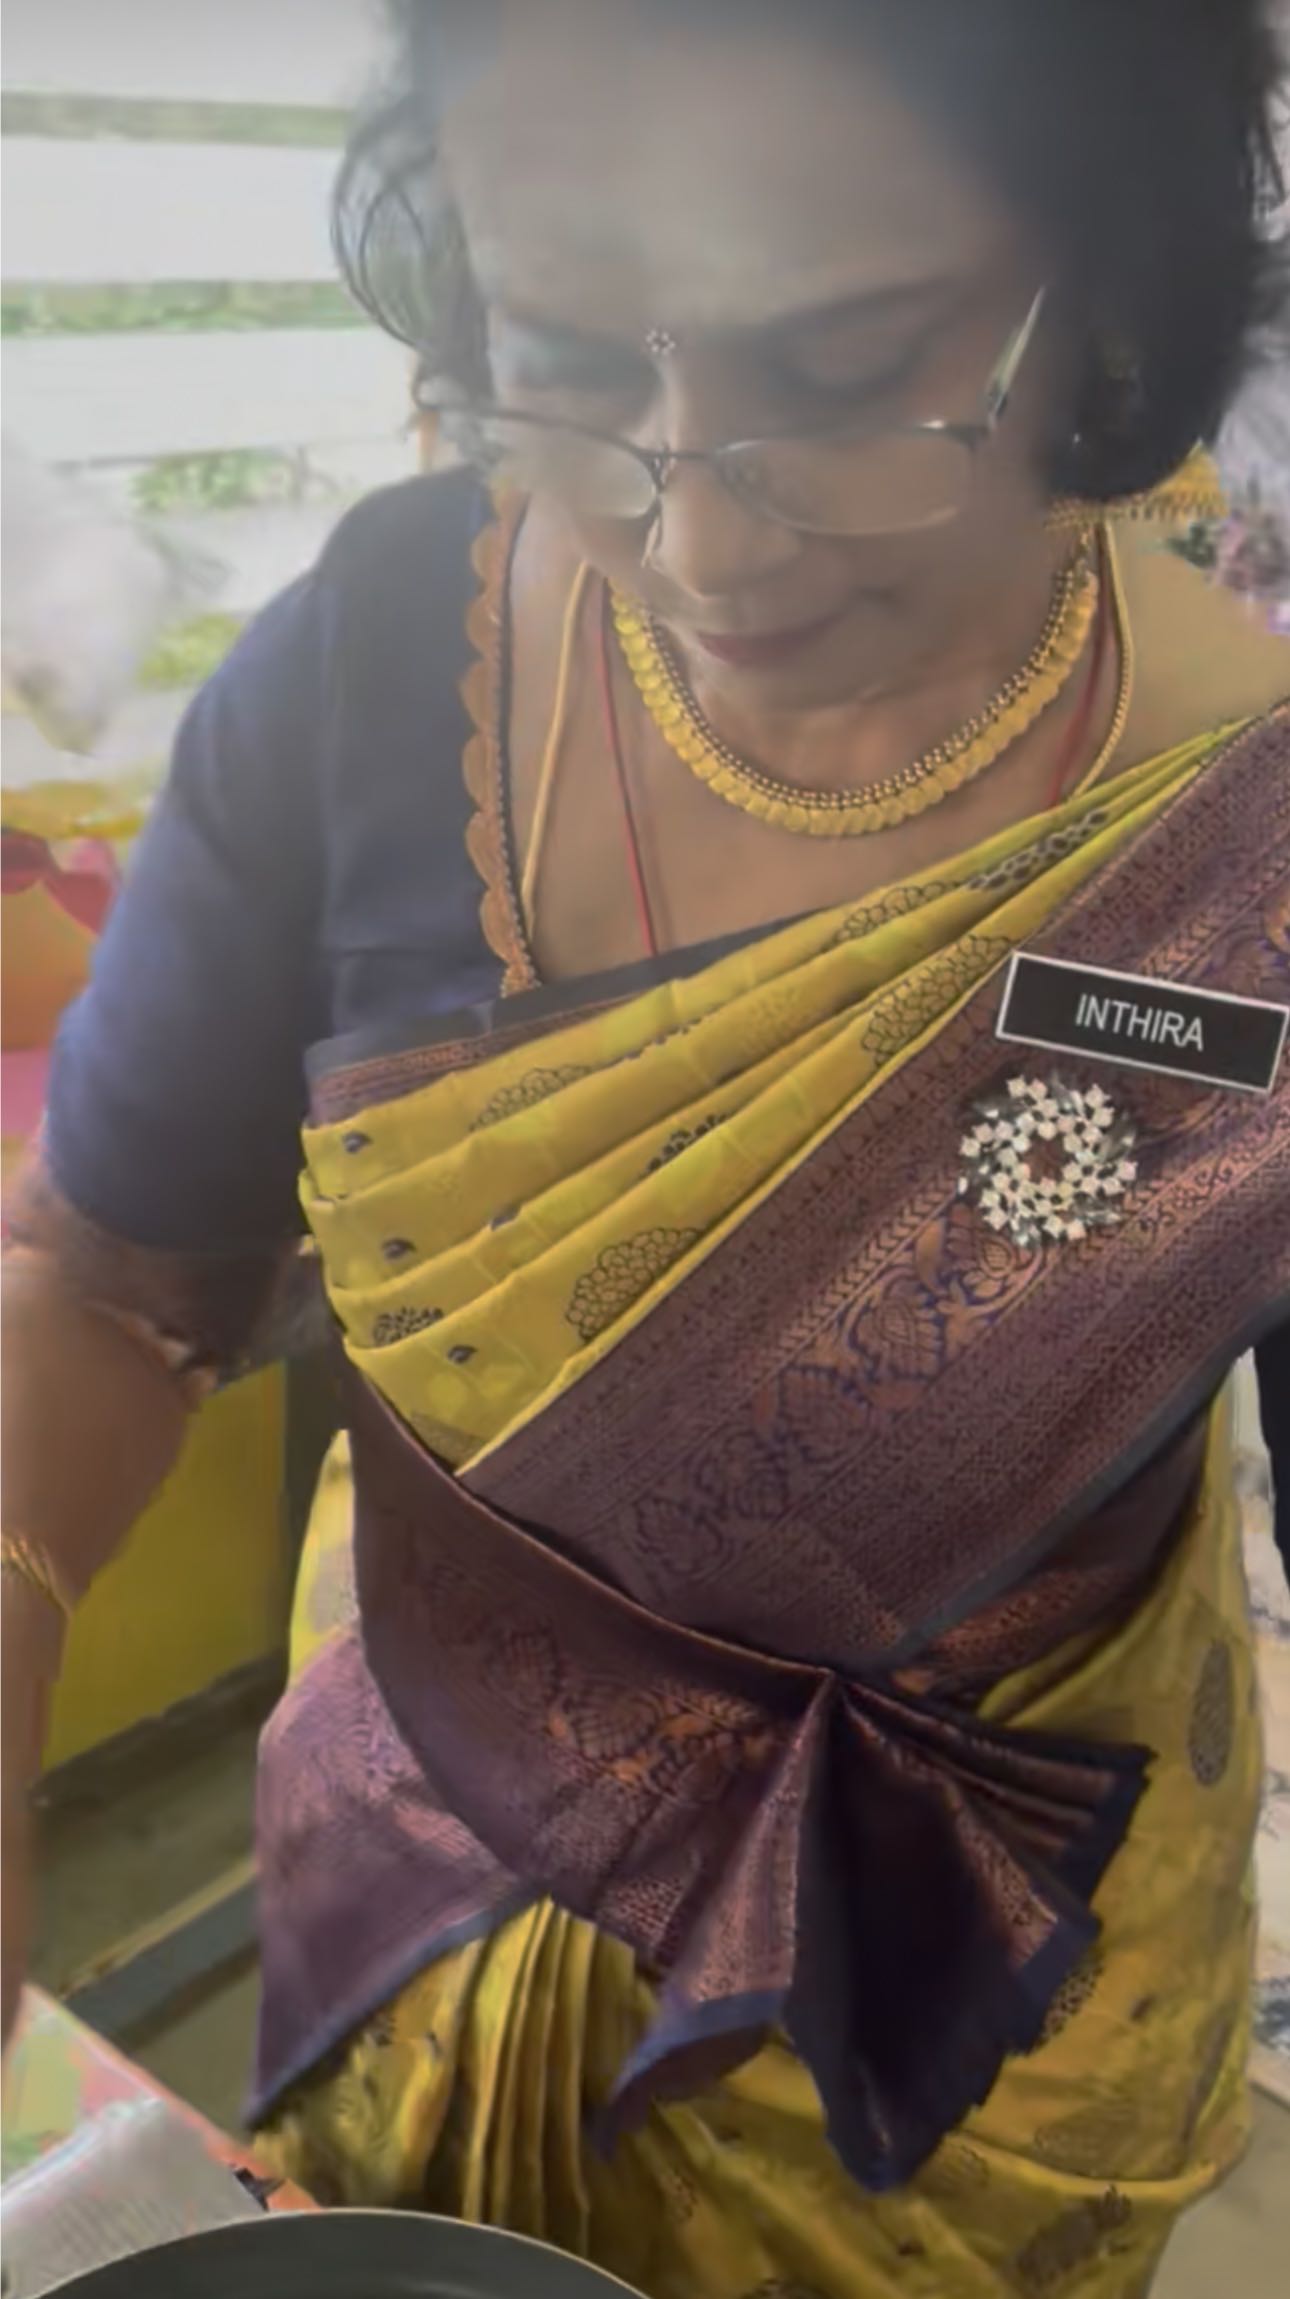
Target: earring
(660,343)
(1121,361)
(1111,406)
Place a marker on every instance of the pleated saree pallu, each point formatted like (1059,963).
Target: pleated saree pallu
(741,1495)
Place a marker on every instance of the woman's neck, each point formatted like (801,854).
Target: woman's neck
(933,690)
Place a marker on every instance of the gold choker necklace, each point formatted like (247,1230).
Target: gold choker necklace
(912,789)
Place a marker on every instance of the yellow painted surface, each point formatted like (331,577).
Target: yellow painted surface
(203,1586)
(45,955)
(201,1589)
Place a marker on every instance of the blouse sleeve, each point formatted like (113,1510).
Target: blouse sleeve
(166,1179)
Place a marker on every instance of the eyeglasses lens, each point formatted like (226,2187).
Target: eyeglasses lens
(895,482)
(892,483)
(594,477)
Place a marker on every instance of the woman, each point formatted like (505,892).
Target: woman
(776,1814)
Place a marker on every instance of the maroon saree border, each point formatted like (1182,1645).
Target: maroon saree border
(727,1812)
(675,1445)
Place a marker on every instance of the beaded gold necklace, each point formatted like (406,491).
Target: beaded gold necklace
(910,791)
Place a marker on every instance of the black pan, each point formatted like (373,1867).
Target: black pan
(348,2255)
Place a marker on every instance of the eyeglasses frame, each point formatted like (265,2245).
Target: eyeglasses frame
(661,464)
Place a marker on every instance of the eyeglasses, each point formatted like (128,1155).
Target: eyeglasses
(848,480)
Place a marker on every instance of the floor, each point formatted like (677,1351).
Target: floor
(1236,2244)
(110,1870)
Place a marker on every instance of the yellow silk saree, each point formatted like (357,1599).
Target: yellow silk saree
(767,1792)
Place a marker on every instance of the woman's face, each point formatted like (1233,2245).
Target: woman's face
(816,255)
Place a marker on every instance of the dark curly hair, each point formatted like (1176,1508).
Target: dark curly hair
(1137,135)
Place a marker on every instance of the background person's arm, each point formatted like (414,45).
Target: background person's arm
(147,1233)
(92,1426)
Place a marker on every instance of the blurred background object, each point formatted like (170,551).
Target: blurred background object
(191,402)
(87,592)
(1253,554)
(191,393)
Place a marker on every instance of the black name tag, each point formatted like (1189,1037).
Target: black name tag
(1167,1026)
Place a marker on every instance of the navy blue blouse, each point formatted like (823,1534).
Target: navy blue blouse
(305,875)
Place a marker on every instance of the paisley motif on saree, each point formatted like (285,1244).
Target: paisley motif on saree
(692,1639)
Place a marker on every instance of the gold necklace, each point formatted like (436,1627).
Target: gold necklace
(912,789)
(1192,493)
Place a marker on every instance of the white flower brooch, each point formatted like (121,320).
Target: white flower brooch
(1044,1160)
